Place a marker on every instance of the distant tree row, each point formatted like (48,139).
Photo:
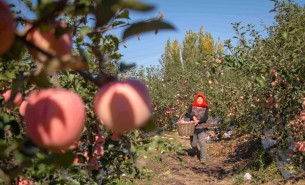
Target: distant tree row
(195,48)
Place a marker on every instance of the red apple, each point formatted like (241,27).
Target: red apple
(7,28)
(123,105)
(99,150)
(54,118)
(59,46)
(99,139)
(7,95)
(22,107)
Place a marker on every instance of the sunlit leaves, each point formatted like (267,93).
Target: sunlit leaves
(124,14)
(260,80)
(141,27)
(123,67)
(104,11)
(136,5)
(98,51)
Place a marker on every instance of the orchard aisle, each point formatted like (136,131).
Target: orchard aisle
(227,163)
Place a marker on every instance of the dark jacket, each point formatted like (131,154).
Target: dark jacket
(201,113)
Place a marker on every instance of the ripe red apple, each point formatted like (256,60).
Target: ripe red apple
(74,145)
(98,150)
(93,163)
(26,182)
(22,107)
(7,95)
(54,118)
(7,28)
(86,155)
(99,139)
(61,47)
(303,116)
(77,158)
(274,83)
(123,105)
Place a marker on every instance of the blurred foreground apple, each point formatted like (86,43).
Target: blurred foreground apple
(7,95)
(7,28)
(61,45)
(22,107)
(123,106)
(54,118)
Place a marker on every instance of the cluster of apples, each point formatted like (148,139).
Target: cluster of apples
(300,146)
(92,162)
(184,121)
(55,117)
(47,41)
(23,181)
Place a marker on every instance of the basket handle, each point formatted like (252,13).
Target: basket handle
(182,115)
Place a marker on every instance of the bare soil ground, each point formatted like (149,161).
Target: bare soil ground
(228,161)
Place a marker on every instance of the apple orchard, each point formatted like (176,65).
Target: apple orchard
(73,113)
(63,102)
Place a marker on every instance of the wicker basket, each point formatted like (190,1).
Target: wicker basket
(186,129)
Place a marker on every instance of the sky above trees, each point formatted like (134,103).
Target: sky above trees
(215,16)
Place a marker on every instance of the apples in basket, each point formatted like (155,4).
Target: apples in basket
(185,127)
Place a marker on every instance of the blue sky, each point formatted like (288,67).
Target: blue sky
(215,16)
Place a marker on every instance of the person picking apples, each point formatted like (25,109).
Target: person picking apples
(198,112)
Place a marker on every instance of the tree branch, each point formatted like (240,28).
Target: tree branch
(88,76)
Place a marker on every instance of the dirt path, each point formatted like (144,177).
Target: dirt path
(228,161)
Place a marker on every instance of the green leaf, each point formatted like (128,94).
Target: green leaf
(123,15)
(19,157)
(73,181)
(15,52)
(64,160)
(116,23)
(104,12)
(115,40)
(285,35)
(125,67)
(141,27)
(136,5)
(84,30)
(10,74)
(115,56)
(2,77)
(5,118)
(30,149)
(41,80)
(3,177)
(260,80)
(111,146)
(150,125)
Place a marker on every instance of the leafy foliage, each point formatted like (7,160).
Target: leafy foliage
(256,85)
(94,61)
